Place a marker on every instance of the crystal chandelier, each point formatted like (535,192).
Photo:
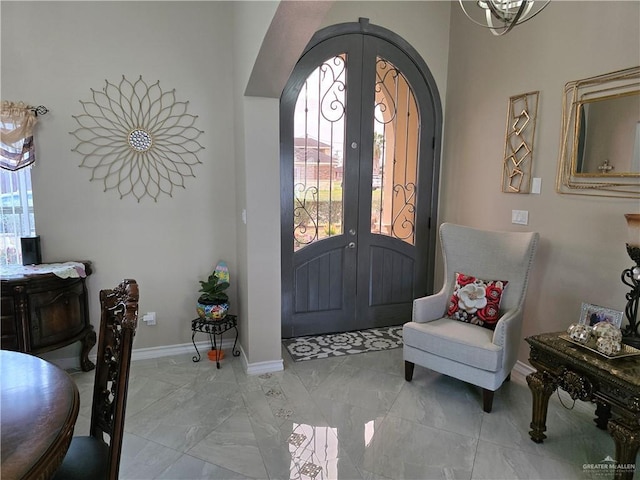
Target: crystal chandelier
(500,16)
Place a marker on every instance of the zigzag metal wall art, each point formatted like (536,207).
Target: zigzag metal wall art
(519,137)
(137,139)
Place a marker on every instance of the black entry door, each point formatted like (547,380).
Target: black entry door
(358,174)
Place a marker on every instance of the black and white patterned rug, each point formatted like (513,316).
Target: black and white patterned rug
(348,343)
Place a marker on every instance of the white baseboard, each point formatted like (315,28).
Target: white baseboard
(178,349)
(523,369)
(72,363)
(258,368)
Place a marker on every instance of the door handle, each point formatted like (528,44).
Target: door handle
(351,245)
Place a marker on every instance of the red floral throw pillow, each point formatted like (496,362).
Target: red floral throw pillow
(476,301)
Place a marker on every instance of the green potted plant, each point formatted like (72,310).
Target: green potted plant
(213,301)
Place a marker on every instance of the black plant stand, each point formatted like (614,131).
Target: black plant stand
(213,328)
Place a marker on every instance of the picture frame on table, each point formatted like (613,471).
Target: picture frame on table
(592,314)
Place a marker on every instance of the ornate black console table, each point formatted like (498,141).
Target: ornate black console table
(612,384)
(213,328)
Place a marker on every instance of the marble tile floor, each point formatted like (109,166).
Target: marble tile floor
(352,417)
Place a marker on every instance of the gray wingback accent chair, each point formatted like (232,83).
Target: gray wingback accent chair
(468,352)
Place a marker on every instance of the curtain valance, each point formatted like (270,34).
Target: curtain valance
(17,149)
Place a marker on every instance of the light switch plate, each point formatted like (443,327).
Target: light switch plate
(536,183)
(520,217)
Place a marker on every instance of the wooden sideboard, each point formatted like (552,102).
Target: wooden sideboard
(43,312)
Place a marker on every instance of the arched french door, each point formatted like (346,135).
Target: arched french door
(360,144)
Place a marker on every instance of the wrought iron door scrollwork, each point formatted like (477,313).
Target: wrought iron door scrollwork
(332,105)
(385,106)
(303,214)
(403,225)
(397,118)
(320,123)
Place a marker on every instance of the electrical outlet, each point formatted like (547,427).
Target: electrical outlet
(520,217)
(149,318)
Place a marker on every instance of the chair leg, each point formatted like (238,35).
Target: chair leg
(408,370)
(487,400)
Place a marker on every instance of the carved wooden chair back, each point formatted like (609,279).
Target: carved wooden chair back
(96,456)
(118,323)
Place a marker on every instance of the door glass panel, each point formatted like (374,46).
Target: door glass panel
(319,130)
(396,144)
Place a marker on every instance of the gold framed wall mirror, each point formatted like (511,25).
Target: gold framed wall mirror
(600,150)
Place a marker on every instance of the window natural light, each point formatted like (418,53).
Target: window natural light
(17,154)
(17,219)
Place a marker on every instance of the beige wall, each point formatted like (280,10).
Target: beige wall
(582,250)
(260,339)
(70,47)
(206,51)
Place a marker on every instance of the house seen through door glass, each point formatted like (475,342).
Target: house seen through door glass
(319,130)
(358,129)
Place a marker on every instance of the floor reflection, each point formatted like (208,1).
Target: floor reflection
(314,452)
(347,418)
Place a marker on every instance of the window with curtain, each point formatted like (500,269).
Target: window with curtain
(17,154)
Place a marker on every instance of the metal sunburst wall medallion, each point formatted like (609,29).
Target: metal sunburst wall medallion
(137,139)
